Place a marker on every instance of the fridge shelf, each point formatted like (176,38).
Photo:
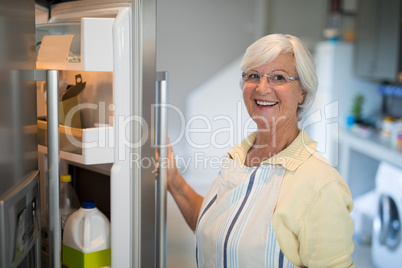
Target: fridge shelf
(82,46)
(86,146)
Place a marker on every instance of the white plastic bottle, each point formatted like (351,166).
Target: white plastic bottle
(69,202)
(86,238)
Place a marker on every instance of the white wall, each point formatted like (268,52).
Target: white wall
(218,121)
(195,39)
(304,19)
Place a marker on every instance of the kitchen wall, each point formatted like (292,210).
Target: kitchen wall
(305,19)
(196,39)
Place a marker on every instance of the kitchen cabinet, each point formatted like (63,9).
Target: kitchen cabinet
(360,157)
(378,33)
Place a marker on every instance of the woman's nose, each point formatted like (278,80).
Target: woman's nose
(263,87)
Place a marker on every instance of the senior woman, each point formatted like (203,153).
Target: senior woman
(276,201)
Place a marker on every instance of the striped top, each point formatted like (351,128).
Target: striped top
(234,227)
(312,205)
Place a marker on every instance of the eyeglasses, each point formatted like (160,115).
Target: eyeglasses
(274,80)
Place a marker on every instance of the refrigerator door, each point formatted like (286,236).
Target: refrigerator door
(19,190)
(18,144)
(19,218)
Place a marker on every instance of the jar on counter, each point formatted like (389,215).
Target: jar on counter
(396,135)
(387,127)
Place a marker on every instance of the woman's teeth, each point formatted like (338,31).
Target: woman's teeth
(266,103)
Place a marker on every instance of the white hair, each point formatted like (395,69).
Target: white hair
(269,47)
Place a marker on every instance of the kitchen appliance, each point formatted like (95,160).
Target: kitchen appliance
(111,46)
(386,248)
(20,221)
(19,179)
(338,86)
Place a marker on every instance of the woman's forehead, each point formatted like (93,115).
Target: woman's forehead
(283,62)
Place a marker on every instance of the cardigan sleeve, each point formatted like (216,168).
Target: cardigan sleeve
(326,228)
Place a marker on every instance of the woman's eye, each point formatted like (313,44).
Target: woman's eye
(254,76)
(279,77)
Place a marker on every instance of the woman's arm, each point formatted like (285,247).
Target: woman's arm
(326,229)
(188,201)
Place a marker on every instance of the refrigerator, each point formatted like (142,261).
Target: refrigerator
(107,49)
(19,175)
(338,86)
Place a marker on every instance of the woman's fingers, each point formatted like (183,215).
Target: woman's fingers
(170,150)
(170,161)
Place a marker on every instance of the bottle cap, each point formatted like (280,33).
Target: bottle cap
(88,204)
(65,178)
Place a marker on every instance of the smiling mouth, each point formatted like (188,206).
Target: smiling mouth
(265,103)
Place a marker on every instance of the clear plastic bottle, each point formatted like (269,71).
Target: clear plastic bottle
(69,202)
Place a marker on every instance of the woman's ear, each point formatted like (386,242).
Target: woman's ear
(302,96)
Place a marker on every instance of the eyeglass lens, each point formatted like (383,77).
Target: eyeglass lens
(274,79)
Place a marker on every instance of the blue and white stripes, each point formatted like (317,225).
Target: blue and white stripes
(232,224)
(274,256)
(234,227)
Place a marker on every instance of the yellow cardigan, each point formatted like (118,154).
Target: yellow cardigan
(311,219)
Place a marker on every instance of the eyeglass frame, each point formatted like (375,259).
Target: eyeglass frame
(292,78)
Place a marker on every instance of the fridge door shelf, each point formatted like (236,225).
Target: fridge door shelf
(86,146)
(82,46)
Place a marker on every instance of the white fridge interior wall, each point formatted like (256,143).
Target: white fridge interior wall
(96,98)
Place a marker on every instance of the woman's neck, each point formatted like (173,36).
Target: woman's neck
(270,142)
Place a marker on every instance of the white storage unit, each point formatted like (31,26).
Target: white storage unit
(84,46)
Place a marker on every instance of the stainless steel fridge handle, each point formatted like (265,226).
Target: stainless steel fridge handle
(53,163)
(51,78)
(162,146)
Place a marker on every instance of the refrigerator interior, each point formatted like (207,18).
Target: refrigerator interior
(98,43)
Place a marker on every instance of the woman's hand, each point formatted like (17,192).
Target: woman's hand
(170,163)
(188,201)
